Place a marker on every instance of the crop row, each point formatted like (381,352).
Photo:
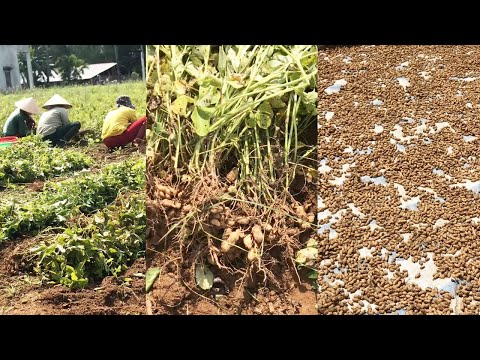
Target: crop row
(33,159)
(111,240)
(62,200)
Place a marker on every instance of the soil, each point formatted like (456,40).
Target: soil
(102,155)
(35,186)
(173,295)
(23,293)
(398,232)
(274,287)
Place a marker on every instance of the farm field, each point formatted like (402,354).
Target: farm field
(90,103)
(72,220)
(231,173)
(399,180)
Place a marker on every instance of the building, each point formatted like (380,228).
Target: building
(10,78)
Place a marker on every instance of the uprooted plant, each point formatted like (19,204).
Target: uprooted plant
(231,147)
(109,241)
(32,158)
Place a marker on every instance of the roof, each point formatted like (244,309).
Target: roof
(93,70)
(90,71)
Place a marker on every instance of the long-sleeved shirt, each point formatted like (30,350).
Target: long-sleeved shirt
(117,121)
(16,124)
(51,120)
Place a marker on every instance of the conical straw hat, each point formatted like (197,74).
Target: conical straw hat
(29,105)
(57,100)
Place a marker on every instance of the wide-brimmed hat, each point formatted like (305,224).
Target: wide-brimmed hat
(125,101)
(29,105)
(57,100)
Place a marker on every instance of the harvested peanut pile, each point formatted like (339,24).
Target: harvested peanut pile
(238,249)
(399,180)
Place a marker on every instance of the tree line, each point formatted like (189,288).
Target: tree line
(70,60)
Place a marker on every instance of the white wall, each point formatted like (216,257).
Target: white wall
(8,57)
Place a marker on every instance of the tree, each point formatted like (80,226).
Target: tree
(126,56)
(70,67)
(65,59)
(41,60)
(93,54)
(129,59)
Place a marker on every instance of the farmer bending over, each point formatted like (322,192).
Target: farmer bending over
(54,124)
(121,126)
(20,122)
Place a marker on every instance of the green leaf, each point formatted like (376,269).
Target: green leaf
(312,242)
(272,64)
(313,275)
(309,60)
(250,121)
(165,84)
(151,276)
(237,81)
(180,87)
(265,108)
(233,59)
(179,106)
(192,70)
(201,120)
(210,80)
(222,60)
(208,95)
(263,120)
(99,220)
(197,56)
(277,103)
(306,255)
(311,97)
(294,75)
(264,115)
(82,282)
(203,277)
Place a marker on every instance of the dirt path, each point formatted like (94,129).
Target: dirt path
(173,295)
(399,179)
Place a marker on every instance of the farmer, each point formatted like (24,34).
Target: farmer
(121,126)
(20,122)
(54,124)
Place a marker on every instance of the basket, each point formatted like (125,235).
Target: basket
(7,141)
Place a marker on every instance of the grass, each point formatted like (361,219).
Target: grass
(90,102)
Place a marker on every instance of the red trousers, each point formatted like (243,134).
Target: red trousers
(136,130)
